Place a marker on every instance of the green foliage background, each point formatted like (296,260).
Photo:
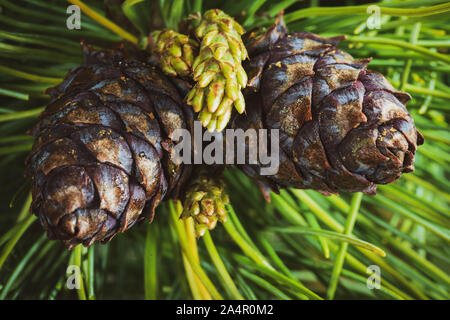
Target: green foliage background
(302,245)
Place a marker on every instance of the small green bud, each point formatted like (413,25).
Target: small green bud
(206,78)
(209,38)
(211,125)
(215,94)
(232,88)
(223,119)
(174,49)
(241,76)
(195,209)
(168,69)
(197,101)
(207,206)
(239,104)
(200,229)
(188,54)
(224,105)
(205,117)
(197,196)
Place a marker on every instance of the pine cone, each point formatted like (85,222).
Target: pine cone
(205,201)
(175,51)
(101,158)
(217,69)
(342,127)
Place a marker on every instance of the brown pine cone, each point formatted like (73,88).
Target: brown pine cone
(102,151)
(342,127)
(101,160)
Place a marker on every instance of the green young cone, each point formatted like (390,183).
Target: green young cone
(217,69)
(175,51)
(205,202)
